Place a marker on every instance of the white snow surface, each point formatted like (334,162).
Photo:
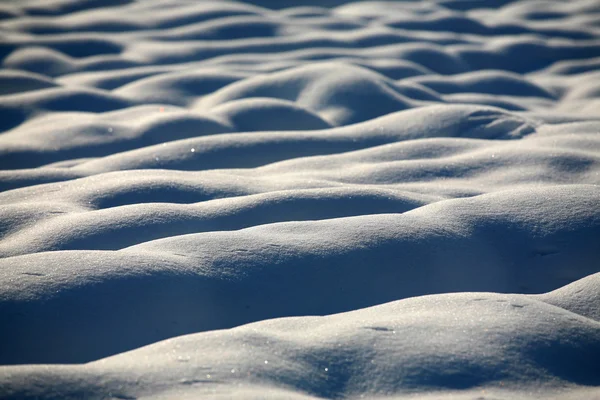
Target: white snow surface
(300,199)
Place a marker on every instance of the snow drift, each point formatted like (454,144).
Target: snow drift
(303,200)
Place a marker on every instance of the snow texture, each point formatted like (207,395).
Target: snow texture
(300,199)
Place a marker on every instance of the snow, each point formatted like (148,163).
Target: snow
(303,200)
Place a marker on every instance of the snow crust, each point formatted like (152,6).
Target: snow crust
(303,200)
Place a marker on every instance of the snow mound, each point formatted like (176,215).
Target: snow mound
(484,344)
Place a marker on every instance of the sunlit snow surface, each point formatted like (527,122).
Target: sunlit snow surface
(204,168)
